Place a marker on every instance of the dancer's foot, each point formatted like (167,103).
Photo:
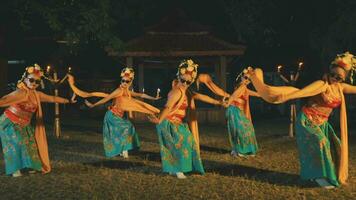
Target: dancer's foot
(233,153)
(324,183)
(17,173)
(241,155)
(125,154)
(180,175)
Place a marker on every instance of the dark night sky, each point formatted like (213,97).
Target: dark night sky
(275,31)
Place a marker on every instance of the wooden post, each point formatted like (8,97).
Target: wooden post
(222,73)
(57,126)
(292,112)
(222,82)
(3,75)
(217,71)
(129,61)
(141,77)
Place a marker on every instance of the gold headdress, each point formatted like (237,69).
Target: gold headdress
(188,67)
(346,61)
(32,69)
(35,69)
(128,72)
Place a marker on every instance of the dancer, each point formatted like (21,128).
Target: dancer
(179,144)
(119,134)
(240,128)
(23,145)
(323,156)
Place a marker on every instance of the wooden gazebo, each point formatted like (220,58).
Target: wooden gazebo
(165,44)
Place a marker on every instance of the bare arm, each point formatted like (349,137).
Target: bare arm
(114,94)
(52,99)
(173,98)
(348,89)
(143,95)
(14,97)
(206,99)
(207,80)
(310,90)
(253,93)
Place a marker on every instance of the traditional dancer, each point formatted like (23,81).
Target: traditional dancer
(23,145)
(119,134)
(240,128)
(179,146)
(323,156)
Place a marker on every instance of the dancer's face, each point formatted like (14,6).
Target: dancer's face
(337,75)
(186,79)
(32,81)
(245,81)
(126,82)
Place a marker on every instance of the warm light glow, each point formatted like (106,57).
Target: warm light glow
(48,68)
(69,69)
(300,65)
(279,67)
(158,91)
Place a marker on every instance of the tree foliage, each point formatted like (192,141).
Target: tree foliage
(74,22)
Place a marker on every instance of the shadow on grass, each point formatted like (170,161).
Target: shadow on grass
(91,129)
(147,155)
(262,175)
(137,167)
(213,149)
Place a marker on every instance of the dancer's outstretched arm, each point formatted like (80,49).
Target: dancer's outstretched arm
(144,96)
(14,97)
(114,94)
(280,94)
(52,99)
(312,89)
(253,93)
(206,99)
(206,79)
(348,89)
(173,98)
(82,93)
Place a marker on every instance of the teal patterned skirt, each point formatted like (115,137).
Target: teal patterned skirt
(316,146)
(178,148)
(118,135)
(19,146)
(241,132)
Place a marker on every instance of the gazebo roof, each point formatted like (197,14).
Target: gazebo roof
(175,36)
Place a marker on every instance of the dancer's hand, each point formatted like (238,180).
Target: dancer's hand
(157,97)
(73,100)
(90,105)
(225,104)
(225,99)
(153,118)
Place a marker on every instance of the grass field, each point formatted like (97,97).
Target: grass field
(80,171)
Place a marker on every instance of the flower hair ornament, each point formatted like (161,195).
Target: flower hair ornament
(127,72)
(188,67)
(346,61)
(36,70)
